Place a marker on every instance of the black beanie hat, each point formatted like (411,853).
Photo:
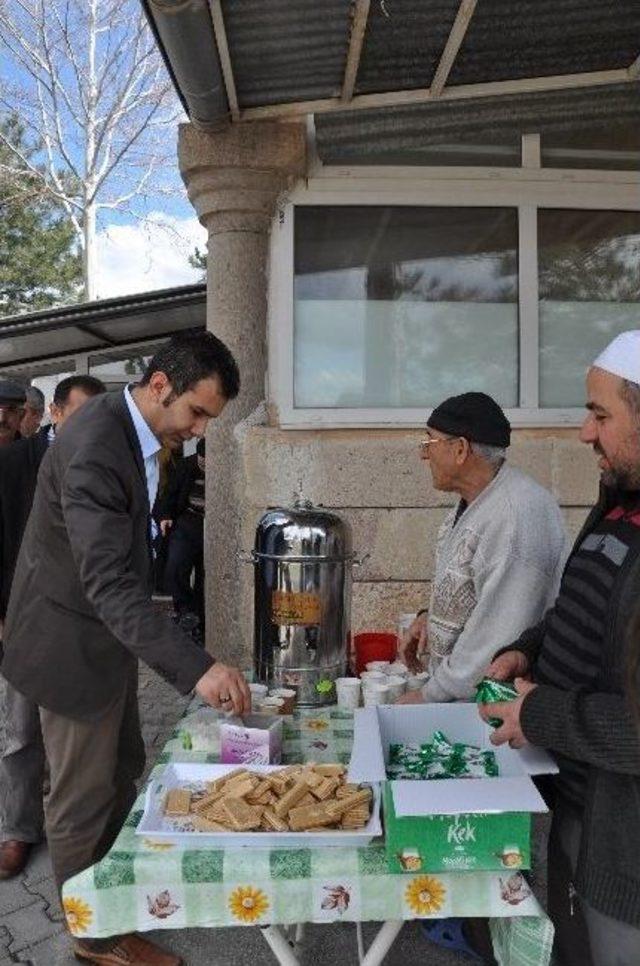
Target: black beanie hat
(473,415)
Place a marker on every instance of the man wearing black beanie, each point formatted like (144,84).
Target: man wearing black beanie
(499,553)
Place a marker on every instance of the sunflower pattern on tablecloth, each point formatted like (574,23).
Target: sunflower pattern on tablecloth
(425,895)
(315,724)
(79,914)
(247,904)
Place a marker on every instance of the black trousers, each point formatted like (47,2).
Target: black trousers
(185,557)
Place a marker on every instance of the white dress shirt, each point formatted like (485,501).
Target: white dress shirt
(150,448)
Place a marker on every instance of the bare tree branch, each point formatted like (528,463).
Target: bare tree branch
(86,78)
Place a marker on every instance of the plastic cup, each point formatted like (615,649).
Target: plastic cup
(414,683)
(270,705)
(396,685)
(398,669)
(374,646)
(258,692)
(288,695)
(375,693)
(348,692)
(378,676)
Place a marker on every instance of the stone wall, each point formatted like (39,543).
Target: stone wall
(376,480)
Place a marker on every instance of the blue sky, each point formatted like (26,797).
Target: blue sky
(147,247)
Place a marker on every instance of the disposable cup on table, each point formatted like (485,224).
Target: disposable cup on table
(397,686)
(258,693)
(348,693)
(288,695)
(414,683)
(399,669)
(378,665)
(379,676)
(269,705)
(375,693)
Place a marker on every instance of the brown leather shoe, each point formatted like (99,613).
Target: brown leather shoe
(13,857)
(128,950)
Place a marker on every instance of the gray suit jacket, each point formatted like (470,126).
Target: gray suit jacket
(80,609)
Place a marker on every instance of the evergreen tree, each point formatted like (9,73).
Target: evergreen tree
(39,261)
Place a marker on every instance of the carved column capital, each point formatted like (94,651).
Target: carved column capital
(234,178)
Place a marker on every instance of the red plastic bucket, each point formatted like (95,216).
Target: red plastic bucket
(374,646)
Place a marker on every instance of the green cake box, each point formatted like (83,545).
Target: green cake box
(457,824)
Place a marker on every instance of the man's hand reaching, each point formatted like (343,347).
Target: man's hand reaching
(508,666)
(509,711)
(414,644)
(225,687)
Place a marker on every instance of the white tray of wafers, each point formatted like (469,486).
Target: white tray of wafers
(199,780)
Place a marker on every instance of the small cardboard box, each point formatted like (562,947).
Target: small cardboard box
(454,824)
(254,740)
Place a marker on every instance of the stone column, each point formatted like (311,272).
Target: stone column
(234,180)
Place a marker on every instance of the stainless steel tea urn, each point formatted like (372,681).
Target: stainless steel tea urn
(303,560)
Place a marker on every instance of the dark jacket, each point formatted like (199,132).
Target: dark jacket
(19,465)
(80,610)
(596,726)
(175,499)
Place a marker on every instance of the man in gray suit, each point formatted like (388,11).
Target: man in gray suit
(80,612)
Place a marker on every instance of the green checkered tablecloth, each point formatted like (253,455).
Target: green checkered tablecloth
(144,884)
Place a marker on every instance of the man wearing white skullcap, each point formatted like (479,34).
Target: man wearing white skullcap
(581,698)
(622,356)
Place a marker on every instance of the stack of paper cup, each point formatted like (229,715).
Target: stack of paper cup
(396,686)
(258,692)
(376,692)
(378,665)
(399,669)
(288,695)
(348,692)
(414,683)
(269,705)
(370,676)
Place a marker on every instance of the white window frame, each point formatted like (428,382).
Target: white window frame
(526,188)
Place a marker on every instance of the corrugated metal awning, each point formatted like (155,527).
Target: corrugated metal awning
(410,132)
(248,59)
(108,324)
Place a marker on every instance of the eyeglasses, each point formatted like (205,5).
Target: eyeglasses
(10,408)
(430,440)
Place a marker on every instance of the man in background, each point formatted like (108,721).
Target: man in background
(181,514)
(33,411)
(22,761)
(12,399)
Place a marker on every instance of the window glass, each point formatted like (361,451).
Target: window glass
(589,278)
(403,306)
(118,368)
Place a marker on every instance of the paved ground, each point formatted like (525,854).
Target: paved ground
(32,930)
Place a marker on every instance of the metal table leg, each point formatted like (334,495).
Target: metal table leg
(383,942)
(279,945)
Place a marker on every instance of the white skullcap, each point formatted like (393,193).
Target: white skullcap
(622,356)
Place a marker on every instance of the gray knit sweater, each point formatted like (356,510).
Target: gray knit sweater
(497,571)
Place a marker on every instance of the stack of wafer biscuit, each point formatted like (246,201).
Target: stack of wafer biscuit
(298,798)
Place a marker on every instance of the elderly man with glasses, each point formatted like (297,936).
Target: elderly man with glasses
(499,553)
